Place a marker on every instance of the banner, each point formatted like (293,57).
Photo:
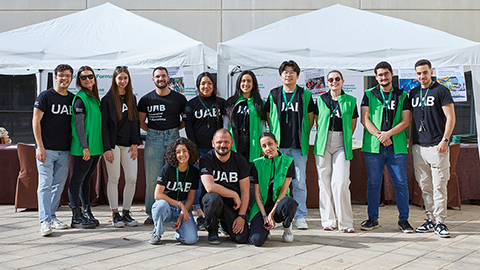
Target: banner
(407,79)
(454,79)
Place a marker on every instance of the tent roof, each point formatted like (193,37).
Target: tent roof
(346,38)
(102,37)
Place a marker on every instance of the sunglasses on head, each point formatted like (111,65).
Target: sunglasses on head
(336,79)
(121,67)
(84,77)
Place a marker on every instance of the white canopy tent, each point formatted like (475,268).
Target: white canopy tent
(339,37)
(102,37)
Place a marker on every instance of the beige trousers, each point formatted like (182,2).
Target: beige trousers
(432,171)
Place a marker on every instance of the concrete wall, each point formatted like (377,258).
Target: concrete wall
(214,21)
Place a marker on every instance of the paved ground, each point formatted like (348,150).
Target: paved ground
(22,247)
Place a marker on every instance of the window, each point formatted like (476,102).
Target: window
(17,95)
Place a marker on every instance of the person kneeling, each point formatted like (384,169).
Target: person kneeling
(271,175)
(175,193)
(226,189)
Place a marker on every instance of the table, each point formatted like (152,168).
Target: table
(468,171)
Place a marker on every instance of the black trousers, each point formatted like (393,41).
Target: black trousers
(285,212)
(80,181)
(215,210)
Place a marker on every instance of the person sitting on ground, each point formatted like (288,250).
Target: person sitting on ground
(175,193)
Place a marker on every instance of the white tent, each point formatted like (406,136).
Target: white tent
(101,37)
(339,37)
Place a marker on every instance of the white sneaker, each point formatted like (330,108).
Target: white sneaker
(287,234)
(301,224)
(45,228)
(57,224)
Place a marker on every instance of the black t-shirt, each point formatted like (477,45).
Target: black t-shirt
(56,120)
(202,119)
(163,112)
(434,118)
(254,180)
(335,123)
(123,126)
(79,107)
(227,174)
(289,130)
(242,118)
(168,179)
(386,126)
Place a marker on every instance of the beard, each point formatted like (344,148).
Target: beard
(225,151)
(161,86)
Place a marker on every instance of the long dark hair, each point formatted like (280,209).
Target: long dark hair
(214,92)
(257,99)
(94,91)
(129,97)
(171,155)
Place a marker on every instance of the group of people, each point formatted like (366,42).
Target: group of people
(235,174)
(85,127)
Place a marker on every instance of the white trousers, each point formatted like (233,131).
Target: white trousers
(432,171)
(130,167)
(334,181)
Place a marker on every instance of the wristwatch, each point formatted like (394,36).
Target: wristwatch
(243,216)
(446,140)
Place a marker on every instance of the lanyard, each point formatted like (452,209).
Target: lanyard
(207,110)
(333,111)
(386,103)
(287,104)
(183,184)
(422,98)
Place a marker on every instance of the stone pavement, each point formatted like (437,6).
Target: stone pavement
(22,247)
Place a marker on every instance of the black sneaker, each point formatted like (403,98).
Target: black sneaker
(428,226)
(201,223)
(117,220)
(442,230)
(405,226)
(369,224)
(128,220)
(213,238)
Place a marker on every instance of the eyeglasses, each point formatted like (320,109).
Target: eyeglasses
(291,72)
(84,77)
(121,67)
(337,79)
(61,75)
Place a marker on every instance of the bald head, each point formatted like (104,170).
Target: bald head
(222,142)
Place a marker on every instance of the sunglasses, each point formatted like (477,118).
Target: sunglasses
(121,67)
(336,79)
(84,77)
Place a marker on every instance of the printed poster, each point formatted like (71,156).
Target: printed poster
(454,79)
(407,79)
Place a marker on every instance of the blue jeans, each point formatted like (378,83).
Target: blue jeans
(397,167)
(299,182)
(52,175)
(196,203)
(163,212)
(155,149)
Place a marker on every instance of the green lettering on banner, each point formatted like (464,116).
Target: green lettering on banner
(349,88)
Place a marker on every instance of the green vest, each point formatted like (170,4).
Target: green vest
(93,127)
(371,144)
(304,132)
(255,129)
(264,169)
(347,105)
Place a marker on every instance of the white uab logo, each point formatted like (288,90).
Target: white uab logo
(61,109)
